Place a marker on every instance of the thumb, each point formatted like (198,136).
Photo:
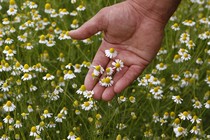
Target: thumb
(91,27)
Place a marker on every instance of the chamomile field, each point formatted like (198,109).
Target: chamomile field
(42,72)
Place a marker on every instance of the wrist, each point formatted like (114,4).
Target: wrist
(159,10)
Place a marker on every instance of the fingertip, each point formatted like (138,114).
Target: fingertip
(108,94)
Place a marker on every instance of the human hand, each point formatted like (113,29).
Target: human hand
(133,33)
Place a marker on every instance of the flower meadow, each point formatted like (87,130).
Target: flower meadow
(42,71)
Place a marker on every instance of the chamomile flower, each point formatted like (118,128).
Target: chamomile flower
(109,71)
(175,27)
(197,104)
(87,105)
(71,136)
(106,81)
(69,75)
(81,90)
(12,11)
(73,1)
(177,58)
(9,106)
(185,115)
(48,77)
(185,57)
(51,43)
(30,109)
(121,99)
(118,65)
(42,39)
(111,53)
(77,68)
(195,130)
(97,70)
(8,41)
(195,119)
(132,99)
(180,131)
(48,8)
(156,90)
(190,44)
(64,111)
(207,104)
(73,13)
(184,38)
(60,117)
(63,12)
(81,8)
(26,68)
(34,131)
(88,94)
(68,66)
(46,114)
(8,119)
(188,23)
(175,77)
(26,77)
(207,80)
(199,61)
(161,66)
(74,24)
(5,87)
(18,124)
(177,99)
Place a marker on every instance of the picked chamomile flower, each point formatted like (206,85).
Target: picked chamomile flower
(109,71)
(111,53)
(106,81)
(97,70)
(118,65)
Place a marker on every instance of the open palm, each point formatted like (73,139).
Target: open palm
(134,34)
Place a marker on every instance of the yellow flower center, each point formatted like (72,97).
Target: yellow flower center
(70,72)
(48,75)
(178,97)
(185,113)
(77,66)
(180,129)
(117,65)
(82,88)
(42,37)
(9,103)
(47,6)
(41,124)
(98,68)
(26,75)
(177,121)
(86,104)
(75,22)
(108,70)
(111,50)
(60,115)
(26,66)
(6,65)
(46,112)
(107,80)
(11,2)
(10,51)
(176,25)
(17,64)
(33,129)
(5,85)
